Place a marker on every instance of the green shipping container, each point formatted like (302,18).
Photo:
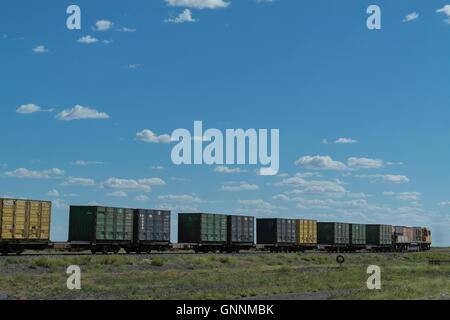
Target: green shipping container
(379,234)
(333,233)
(357,234)
(100,224)
(202,228)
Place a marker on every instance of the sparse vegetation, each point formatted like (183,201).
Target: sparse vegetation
(211,276)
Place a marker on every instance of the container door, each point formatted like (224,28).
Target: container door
(34,215)
(142,226)
(101,224)
(7,214)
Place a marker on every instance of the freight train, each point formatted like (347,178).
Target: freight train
(25,224)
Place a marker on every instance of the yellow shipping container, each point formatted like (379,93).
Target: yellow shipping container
(24,219)
(306,231)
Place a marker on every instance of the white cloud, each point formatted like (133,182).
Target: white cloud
(346,140)
(157,167)
(102,25)
(320,163)
(148,136)
(243,186)
(444,204)
(445,9)
(365,163)
(125,184)
(87,163)
(142,197)
(223,169)
(315,188)
(185,16)
(133,66)
(409,196)
(80,112)
(388,193)
(152,181)
(258,206)
(23,173)
(117,194)
(388,178)
(181,198)
(125,29)
(59,204)
(53,193)
(87,39)
(40,49)
(31,108)
(411,16)
(198,4)
(71,181)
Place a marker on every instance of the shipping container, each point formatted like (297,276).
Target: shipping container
(151,225)
(357,234)
(333,233)
(101,226)
(306,231)
(240,229)
(202,228)
(417,234)
(275,231)
(379,234)
(24,219)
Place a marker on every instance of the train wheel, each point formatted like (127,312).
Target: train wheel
(116,250)
(93,251)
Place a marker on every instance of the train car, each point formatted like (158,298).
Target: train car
(151,231)
(24,224)
(276,234)
(357,235)
(379,237)
(400,239)
(240,233)
(100,229)
(306,234)
(204,231)
(426,239)
(333,236)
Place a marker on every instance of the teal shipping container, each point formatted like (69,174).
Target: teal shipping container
(202,228)
(100,224)
(379,234)
(357,234)
(333,233)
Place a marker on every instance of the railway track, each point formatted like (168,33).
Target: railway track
(168,254)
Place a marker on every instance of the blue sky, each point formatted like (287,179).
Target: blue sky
(363,114)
